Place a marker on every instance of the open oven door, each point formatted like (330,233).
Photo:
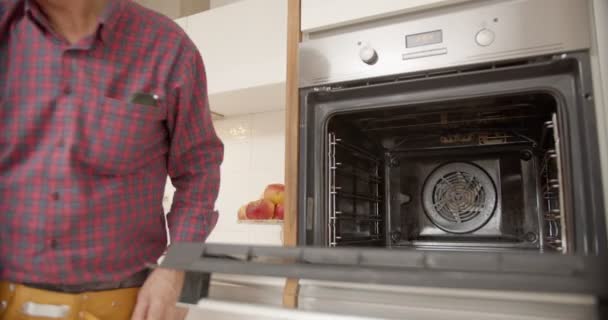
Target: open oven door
(552,276)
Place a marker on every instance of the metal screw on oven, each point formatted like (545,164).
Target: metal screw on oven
(531,237)
(525,155)
(3,305)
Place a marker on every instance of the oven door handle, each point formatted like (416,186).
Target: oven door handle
(531,272)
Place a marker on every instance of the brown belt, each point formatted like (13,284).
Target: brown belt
(135,280)
(20,302)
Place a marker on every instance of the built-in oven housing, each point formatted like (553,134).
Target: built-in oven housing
(515,141)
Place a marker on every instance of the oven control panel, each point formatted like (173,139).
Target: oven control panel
(459,35)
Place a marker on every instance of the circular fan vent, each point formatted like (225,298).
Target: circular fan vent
(459,197)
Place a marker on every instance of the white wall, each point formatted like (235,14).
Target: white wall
(254,158)
(190,7)
(176,8)
(169,8)
(219,3)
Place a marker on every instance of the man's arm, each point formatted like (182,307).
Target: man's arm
(195,154)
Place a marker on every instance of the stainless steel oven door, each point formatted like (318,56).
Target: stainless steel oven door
(575,285)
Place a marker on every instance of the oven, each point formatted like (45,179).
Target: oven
(453,132)
(499,157)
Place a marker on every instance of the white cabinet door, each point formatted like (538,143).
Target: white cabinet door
(182,22)
(325,14)
(243,45)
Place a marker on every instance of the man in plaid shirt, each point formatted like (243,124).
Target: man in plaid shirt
(99,101)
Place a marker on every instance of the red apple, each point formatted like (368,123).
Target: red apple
(275,193)
(279,211)
(260,210)
(243,213)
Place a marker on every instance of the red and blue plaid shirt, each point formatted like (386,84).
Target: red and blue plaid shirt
(83,162)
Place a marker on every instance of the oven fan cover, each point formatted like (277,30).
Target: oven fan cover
(459,197)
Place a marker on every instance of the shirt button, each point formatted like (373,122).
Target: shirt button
(53,244)
(55,196)
(67,89)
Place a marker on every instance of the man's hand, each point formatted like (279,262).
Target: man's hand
(158,296)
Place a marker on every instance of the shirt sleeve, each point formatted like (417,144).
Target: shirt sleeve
(195,153)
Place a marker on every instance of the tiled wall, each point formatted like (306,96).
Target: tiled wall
(254,158)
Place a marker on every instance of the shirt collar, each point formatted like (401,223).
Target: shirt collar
(31,8)
(107,20)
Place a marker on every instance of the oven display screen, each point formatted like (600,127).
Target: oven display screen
(423,39)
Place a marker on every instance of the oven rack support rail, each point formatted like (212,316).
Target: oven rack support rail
(531,272)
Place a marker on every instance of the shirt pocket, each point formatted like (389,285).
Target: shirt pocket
(118,138)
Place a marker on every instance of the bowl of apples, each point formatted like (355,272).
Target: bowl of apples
(270,208)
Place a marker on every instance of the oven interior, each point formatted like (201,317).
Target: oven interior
(474,174)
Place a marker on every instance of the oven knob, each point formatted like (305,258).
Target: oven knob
(368,54)
(484,37)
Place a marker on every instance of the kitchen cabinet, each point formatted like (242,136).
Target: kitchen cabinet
(325,14)
(183,23)
(243,46)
